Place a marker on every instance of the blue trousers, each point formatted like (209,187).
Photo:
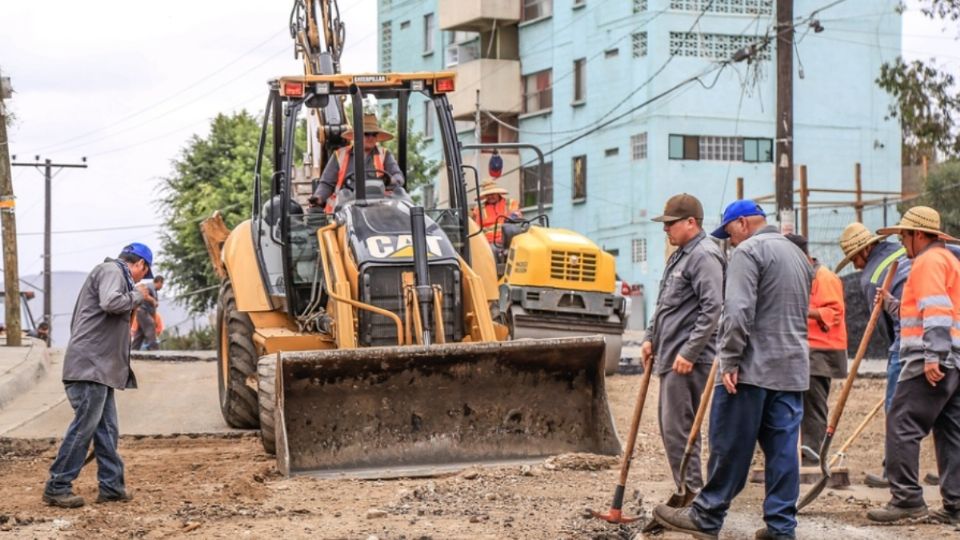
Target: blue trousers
(893,373)
(95,419)
(737,422)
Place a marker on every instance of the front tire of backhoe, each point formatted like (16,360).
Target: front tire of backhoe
(267,376)
(236,363)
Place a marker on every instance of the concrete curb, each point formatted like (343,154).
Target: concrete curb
(174,356)
(24,374)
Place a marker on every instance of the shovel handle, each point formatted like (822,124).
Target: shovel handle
(861,351)
(702,408)
(856,433)
(635,425)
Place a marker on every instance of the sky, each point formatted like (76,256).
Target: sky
(127,84)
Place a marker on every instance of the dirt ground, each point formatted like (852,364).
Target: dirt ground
(225,486)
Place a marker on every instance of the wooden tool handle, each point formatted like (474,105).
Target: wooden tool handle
(856,433)
(862,350)
(704,405)
(635,423)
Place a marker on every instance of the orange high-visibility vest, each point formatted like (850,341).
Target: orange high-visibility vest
(826,297)
(343,156)
(930,308)
(491,212)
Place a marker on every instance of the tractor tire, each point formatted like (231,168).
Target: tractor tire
(236,363)
(267,376)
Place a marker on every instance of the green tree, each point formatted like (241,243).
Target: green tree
(927,100)
(211,173)
(942,192)
(420,170)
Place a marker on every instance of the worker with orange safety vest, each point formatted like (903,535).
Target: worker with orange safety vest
(495,209)
(927,396)
(335,175)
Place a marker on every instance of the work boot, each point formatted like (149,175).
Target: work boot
(764,533)
(944,515)
(876,481)
(931,479)
(681,520)
(890,513)
(64,500)
(122,497)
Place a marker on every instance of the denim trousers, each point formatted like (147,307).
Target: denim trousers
(737,423)
(95,419)
(893,373)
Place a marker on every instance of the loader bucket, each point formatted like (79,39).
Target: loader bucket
(387,412)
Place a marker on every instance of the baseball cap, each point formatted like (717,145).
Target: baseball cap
(142,251)
(681,206)
(736,210)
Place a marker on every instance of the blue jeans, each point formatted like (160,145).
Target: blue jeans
(95,418)
(893,373)
(737,420)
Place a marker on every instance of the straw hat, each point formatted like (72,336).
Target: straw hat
(370,125)
(854,239)
(920,218)
(490,187)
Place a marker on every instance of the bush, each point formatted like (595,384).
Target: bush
(195,340)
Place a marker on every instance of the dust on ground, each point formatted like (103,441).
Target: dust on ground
(225,486)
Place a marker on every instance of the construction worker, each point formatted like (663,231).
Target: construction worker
(495,210)
(97,362)
(682,334)
(339,171)
(145,321)
(765,369)
(927,395)
(827,334)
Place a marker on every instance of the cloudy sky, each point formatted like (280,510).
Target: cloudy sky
(126,84)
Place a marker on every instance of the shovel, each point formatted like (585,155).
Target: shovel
(825,464)
(615,514)
(684,495)
(856,433)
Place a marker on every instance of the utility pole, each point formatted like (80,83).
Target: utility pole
(48,166)
(784,144)
(8,221)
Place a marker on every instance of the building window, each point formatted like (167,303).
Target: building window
(736,7)
(610,152)
(639,44)
(579,3)
(639,6)
(428,32)
(386,47)
(712,46)
(537,9)
(719,148)
(404,25)
(528,177)
(579,178)
(639,250)
(638,146)
(538,91)
(610,53)
(462,47)
(428,123)
(579,80)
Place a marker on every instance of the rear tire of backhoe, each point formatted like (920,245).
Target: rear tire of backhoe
(267,376)
(236,363)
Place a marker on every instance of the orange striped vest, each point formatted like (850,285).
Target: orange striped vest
(930,312)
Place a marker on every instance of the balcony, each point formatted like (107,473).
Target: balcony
(477,15)
(498,82)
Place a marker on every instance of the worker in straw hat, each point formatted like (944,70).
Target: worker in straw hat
(339,170)
(495,209)
(872,255)
(927,396)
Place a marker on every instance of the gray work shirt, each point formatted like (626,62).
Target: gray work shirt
(688,305)
(147,307)
(328,179)
(763,331)
(99,347)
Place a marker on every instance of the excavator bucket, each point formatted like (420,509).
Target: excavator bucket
(388,412)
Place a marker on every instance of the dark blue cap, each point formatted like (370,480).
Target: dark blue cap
(142,251)
(735,211)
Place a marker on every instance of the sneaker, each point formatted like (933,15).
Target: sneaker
(64,500)
(876,481)
(890,513)
(681,520)
(949,517)
(766,534)
(122,497)
(931,479)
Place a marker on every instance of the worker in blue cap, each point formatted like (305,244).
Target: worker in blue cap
(765,368)
(96,363)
